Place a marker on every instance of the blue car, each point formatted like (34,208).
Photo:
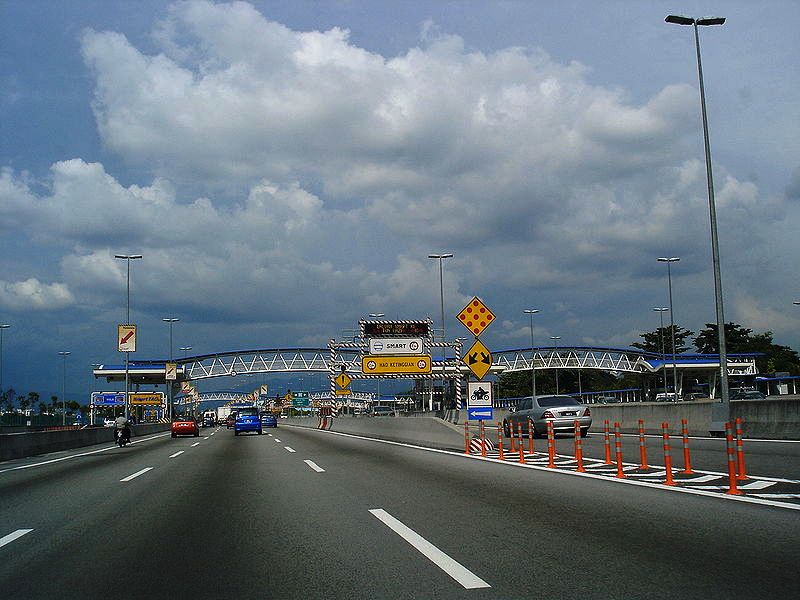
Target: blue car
(268,420)
(247,420)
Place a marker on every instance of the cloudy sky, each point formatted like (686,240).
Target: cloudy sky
(286,167)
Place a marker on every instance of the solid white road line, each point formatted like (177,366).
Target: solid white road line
(178,453)
(277,440)
(454,569)
(289,448)
(195,444)
(13,536)
(135,475)
(314,466)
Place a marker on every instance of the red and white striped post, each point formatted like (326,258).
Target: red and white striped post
(607,442)
(530,436)
(642,447)
(521,444)
(687,460)
(551,446)
(618,449)
(466,437)
(500,440)
(667,455)
(483,438)
(579,447)
(741,475)
(733,488)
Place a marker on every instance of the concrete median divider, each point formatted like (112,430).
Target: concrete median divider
(20,445)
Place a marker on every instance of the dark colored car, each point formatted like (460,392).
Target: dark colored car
(247,419)
(562,411)
(230,421)
(208,422)
(382,411)
(268,419)
(184,425)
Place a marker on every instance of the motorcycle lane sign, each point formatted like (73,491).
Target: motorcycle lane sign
(479,394)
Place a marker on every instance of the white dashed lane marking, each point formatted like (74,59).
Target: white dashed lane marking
(314,466)
(135,475)
(15,535)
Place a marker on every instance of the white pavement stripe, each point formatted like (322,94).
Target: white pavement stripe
(135,475)
(277,440)
(770,496)
(454,569)
(13,536)
(703,479)
(657,475)
(178,453)
(289,448)
(195,444)
(314,466)
(756,485)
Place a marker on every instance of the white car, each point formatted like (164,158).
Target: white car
(107,422)
(666,397)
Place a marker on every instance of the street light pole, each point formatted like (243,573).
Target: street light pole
(661,310)
(555,338)
(722,414)
(170,407)
(63,354)
(2,327)
(530,312)
(669,261)
(440,257)
(128,258)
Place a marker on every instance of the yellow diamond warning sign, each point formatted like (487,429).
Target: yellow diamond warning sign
(476,316)
(343,380)
(478,359)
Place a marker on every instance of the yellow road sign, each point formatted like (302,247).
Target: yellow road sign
(171,371)
(151,398)
(344,392)
(476,316)
(478,358)
(343,380)
(384,364)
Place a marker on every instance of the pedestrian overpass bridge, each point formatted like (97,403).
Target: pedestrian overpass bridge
(324,360)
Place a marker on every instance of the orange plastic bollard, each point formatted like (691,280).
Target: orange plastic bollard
(741,475)
(733,488)
(607,442)
(551,446)
(530,436)
(483,438)
(618,449)
(667,455)
(511,432)
(687,460)
(500,440)
(642,447)
(466,437)
(521,444)
(579,447)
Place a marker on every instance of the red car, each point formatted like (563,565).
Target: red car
(183,425)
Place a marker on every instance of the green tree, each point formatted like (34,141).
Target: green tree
(740,339)
(652,340)
(51,408)
(42,408)
(33,399)
(23,403)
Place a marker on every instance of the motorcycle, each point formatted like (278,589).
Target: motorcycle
(121,438)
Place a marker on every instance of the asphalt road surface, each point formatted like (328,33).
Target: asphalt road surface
(309,514)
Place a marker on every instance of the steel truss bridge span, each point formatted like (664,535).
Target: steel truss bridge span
(319,360)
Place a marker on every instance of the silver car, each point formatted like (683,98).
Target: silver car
(563,411)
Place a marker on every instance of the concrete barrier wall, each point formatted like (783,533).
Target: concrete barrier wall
(428,431)
(19,445)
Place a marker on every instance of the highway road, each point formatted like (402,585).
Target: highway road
(309,514)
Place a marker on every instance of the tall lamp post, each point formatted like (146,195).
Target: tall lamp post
(63,354)
(720,414)
(669,261)
(170,320)
(530,312)
(661,310)
(555,338)
(440,257)
(128,258)
(2,327)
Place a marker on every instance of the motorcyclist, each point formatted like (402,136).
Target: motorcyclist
(122,423)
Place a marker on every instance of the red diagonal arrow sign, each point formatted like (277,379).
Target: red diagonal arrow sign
(126,338)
